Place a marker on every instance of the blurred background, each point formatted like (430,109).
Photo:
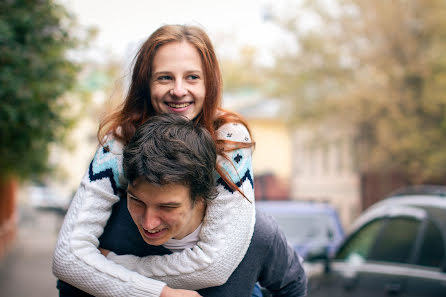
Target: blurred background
(345,98)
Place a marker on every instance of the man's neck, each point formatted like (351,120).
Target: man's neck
(189,241)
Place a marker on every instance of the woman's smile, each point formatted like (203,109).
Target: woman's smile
(179,106)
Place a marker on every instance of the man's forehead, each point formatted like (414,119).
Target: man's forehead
(169,193)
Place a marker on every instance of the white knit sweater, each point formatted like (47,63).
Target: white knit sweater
(224,238)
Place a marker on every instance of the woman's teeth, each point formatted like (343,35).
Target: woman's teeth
(178,105)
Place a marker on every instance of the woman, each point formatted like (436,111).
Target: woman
(176,71)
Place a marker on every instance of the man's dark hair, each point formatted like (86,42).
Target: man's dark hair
(170,149)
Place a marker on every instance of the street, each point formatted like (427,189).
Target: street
(25,270)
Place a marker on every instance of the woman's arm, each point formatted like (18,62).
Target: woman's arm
(76,258)
(226,232)
(225,236)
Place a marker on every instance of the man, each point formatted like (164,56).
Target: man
(170,165)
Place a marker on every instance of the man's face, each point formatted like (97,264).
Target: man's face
(163,212)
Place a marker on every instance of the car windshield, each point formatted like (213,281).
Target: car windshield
(303,228)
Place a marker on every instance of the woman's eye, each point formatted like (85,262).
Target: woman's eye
(164,77)
(193,76)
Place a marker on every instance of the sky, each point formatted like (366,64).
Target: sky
(123,25)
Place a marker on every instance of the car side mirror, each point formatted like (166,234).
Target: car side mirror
(316,255)
(320,255)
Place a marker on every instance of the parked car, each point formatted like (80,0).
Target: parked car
(47,198)
(395,248)
(308,226)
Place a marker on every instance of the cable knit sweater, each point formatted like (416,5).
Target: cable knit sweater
(224,238)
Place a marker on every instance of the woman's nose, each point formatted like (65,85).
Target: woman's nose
(179,90)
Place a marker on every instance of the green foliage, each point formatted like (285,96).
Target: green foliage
(34,74)
(243,73)
(378,67)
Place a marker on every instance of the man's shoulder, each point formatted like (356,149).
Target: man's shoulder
(265,229)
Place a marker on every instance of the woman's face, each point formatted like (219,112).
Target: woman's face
(177,83)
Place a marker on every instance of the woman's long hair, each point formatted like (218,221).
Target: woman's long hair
(137,106)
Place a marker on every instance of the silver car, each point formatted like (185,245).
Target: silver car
(396,248)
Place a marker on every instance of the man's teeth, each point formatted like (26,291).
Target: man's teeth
(153,232)
(178,105)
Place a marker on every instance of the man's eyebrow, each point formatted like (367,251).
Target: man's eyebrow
(171,204)
(131,194)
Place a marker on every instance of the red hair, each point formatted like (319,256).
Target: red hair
(137,106)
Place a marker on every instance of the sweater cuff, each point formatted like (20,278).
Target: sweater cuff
(148,288)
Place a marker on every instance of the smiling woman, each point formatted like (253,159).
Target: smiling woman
(177,84)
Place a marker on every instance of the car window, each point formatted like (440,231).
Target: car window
(396,241)
(303,228)
(432,248)
(360,244)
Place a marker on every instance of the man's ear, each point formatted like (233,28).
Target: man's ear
(199,200)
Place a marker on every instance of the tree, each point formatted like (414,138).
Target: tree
(241,73)
(34,74)
(378,67)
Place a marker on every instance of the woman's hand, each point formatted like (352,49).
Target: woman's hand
(104,251)
(166,292)
(169,292)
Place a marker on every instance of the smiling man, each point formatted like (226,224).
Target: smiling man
(164,214)
(170,165)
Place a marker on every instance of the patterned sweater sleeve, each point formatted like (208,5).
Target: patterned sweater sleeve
(226,233)
(76,258)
